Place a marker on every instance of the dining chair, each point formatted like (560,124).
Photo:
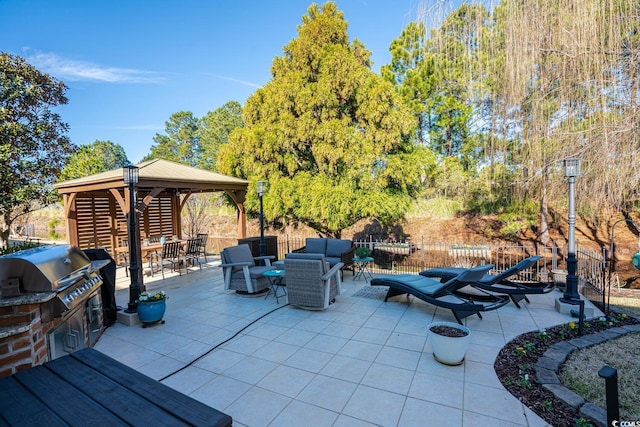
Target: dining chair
(171,256)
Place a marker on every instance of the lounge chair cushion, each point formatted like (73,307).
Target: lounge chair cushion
(336,247)
(422,284)
(442,294)
(315,245)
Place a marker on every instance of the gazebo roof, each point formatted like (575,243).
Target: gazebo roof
(157,173)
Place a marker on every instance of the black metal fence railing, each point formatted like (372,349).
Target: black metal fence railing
(592,274)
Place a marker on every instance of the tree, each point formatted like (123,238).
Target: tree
(181,144)
(33,143)
(215,128)
(332,137)
(99,156)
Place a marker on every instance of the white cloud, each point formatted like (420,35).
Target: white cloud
(68,69)
(242,82)
(140,127)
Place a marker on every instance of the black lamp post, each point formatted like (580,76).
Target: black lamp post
(131,176)
(261,187)
(571,171)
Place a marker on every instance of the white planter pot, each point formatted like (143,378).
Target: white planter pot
(449,350)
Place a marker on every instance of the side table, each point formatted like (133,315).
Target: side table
(275,279)
(362,268)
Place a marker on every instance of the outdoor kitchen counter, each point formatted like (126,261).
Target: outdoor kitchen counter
(30,298)
(90,388)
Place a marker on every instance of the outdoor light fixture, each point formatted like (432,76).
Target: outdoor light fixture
(131,177)
(571,171)
(261,186)
(571,167)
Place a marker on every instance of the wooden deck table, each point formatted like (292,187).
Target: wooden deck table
(89,388)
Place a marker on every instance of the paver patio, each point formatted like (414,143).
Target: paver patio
(362,362)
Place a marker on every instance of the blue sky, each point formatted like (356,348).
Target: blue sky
(130,64)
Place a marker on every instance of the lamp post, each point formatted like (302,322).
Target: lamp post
(131,177)
(571,171)
(261,187)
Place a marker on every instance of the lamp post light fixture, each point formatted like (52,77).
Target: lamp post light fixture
(571,171)
(261,186)
(131,177)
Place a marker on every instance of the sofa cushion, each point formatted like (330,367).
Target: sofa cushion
(333,260)
(295,255)
(335,247)
(315,245)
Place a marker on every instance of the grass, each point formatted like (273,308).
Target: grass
(630,305)
(580,373)
(437,207)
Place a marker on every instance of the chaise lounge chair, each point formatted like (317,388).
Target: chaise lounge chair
(499,283)
(443,294)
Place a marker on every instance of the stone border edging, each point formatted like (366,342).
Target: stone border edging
(548,367)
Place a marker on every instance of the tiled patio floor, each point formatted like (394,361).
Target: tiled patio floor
(362,362)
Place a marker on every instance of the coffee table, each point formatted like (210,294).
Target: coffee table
(362,268)
(275,279)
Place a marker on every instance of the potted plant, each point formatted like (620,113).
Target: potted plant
(151,307)
(449,342)
(362,252)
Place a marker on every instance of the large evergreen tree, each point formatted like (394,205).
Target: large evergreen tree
(215,129)
(99,156)
(181,143)
(33,142)
(332,138)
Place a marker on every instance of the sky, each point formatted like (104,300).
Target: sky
(130,64)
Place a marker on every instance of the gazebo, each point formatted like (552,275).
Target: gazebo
(96,206)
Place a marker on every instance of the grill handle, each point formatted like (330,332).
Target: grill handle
(72,340)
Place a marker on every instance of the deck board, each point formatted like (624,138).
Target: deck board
(89,388)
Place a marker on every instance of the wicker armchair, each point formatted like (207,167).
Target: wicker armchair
(311,284)
(241,272)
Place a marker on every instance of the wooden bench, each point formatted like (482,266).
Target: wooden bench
(90,388)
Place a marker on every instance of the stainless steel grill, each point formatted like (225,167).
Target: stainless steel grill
(62,270)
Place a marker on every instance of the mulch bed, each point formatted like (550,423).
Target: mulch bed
(515,363)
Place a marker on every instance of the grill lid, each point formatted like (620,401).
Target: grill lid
(45,268)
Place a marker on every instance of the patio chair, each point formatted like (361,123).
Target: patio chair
(192,252)
(442,294)
(203,244)
(241,272)
(311,283)
(499,283)
(170,257)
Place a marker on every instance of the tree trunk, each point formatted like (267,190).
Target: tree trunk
(4,237)
(544,214)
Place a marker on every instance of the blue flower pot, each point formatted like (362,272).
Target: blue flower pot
(151,311)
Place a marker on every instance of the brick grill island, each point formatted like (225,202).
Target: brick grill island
(50,305)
